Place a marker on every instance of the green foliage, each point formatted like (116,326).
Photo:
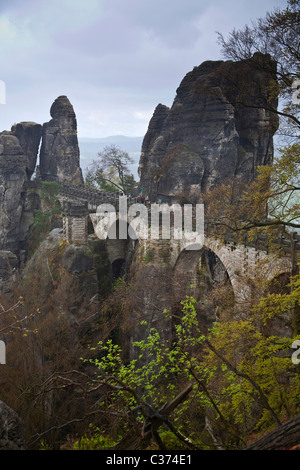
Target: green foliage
(245,377)
(272,201)
(44,445)
(264,207)
(278,187)
(92,180)
(275,304)
(94,441)
(49,215)
(49,193)
(111,171)
(149,255)
(255,370)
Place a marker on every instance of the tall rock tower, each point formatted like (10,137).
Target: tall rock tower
(59,156)
(217,129)
(19,194)
(18,155)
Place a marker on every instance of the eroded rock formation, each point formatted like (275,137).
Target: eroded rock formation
(18,154)
(216,130)
(29,136)
(19,196)
(11,429)
(59,157)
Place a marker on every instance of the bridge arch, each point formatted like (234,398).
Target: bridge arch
(198,273)
(120,250)
(188,260)
(238,265)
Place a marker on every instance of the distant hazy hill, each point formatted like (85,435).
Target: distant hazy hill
(89,148)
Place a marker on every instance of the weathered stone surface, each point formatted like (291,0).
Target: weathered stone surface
(59,156)
(11,429)
(216,130)
(18,154)
(75,260)
(59,161)
(12,178)
(84,271)
(29,135)
(8,263)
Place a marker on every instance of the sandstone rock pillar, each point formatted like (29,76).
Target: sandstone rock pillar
(59,156)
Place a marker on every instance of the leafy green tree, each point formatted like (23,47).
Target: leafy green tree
(111,171)
(245,377)
(277,35)
(271,204)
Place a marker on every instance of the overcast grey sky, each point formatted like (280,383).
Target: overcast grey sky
(114,59)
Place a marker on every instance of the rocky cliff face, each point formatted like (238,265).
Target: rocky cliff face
(29,136)
(18,154)
(59,157)
(216,130)
(11,429)
(19,151)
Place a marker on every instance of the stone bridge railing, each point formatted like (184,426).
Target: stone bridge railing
(92,196)
(288,242)
(81,193)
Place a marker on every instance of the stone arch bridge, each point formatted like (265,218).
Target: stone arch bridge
(240,262)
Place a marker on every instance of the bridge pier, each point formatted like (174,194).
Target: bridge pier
(75,223)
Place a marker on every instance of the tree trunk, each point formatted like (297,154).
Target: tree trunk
(285,437)
(140,436)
